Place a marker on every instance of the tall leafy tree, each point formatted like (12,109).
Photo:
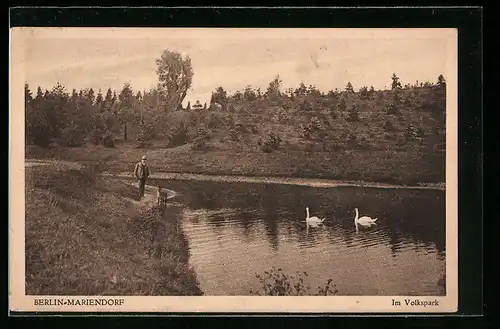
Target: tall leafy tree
(175,76)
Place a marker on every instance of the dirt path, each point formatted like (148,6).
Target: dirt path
(66,164)
(280,180)
(147,202)
(149,199)
(313,182)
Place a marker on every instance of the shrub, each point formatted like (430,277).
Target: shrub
(201,139)
(395,104)
(37,127)
(411,133)
(334,113)
(389,126)
(311,129)
(234,135)
(305,105)
(412,102)
(146,133)
(179,136)
(214,121)
(277,283)
(108,140)
(353,113)
(342,107)
(99,133)
(272,143)
(72,136)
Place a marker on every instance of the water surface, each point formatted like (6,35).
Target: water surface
(238,230)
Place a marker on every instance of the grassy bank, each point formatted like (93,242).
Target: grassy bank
(86,235)
(384,166)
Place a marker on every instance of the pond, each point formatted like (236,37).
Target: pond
(238,230)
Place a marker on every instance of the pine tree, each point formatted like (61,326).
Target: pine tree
(74,96)
(108,101)
(59,91)
(39,93)
(90,96)
(99,101)
(28,97)
(441,81)
(371,92)
(395,82)
(349,88)
(126,107)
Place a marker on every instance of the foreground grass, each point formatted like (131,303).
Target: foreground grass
(87,236)
(407,167)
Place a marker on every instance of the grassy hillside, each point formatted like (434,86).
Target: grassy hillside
(395,136)
(87,236)
(413,122)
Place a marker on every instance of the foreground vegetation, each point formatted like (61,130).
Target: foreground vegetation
(277,283)
(88,236)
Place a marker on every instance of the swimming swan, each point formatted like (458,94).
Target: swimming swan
(313,220)
(364,221)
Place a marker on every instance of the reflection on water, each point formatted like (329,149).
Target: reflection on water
(237,230)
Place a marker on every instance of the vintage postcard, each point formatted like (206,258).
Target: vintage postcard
(233,170)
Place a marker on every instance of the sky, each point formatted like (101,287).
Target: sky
(234,58)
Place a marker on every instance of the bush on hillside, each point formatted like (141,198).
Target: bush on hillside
(353,113)
(313,130)
(412,133)
(179,135)
(99,132)
(271,144)
(200,142)
(146,132)
(389,126)
(72,136)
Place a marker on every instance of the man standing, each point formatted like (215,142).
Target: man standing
(141,172)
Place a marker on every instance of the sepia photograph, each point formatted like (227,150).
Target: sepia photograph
(216,169)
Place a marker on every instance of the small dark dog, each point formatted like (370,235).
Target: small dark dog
(161,197)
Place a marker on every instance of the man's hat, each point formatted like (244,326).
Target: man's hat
(144,157)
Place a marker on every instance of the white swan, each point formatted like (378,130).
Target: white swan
(364,221)
(313,220)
